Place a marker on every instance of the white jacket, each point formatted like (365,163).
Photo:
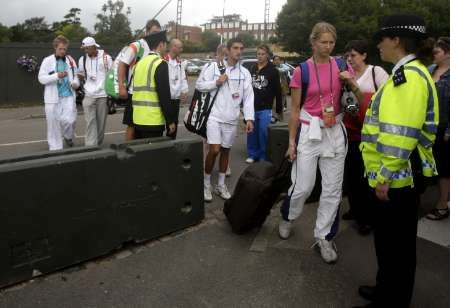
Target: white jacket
(95,73)
(49,78)
(177,77)
(226,108)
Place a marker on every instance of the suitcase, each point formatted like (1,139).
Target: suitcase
(258,189)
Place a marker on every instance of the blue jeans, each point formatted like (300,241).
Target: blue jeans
(257,140)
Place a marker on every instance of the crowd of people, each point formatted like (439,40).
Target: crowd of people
(380,153)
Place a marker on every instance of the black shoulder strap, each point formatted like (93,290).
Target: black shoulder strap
(373,79)
(304,73)
(84,66)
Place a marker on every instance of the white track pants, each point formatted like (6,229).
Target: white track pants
(61,119)
(330,153)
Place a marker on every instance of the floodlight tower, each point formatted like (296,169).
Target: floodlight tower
(179,12)
(266,18)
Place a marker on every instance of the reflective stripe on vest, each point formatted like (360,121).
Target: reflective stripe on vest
(146,105)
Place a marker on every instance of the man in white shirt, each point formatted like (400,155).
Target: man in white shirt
(177,77)
(127,60)
(234,85)
(58,75)
(93,67)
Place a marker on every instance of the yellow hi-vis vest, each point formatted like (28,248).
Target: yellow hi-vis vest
(399,119)
(146,106)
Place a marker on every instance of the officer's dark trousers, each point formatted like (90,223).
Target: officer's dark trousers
(355,184)
(395,231)
(175,109)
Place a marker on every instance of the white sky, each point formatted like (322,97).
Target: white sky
(195,12)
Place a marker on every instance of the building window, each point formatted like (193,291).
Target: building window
(236,24)
(213,26)
(236,34)
(256,36)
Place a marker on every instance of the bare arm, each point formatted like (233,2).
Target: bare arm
(122,71)
(296,94)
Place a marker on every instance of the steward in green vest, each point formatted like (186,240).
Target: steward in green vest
(151,92)
(397,138)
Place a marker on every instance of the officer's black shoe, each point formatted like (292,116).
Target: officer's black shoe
(367,292)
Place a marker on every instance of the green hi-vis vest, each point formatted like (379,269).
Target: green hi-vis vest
(399,119)
(146,107)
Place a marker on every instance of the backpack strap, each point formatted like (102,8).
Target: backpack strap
(84,66)
(72,65)
(373,79)
(304,72)
(342,64)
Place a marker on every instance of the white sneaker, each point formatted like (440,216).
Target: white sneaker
(222,191)
(207,193)
(284,229)
(328,250)
(228,173)
(249,160)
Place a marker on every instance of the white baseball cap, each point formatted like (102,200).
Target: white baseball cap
(89,41)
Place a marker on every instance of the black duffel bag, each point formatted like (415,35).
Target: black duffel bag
(258,189)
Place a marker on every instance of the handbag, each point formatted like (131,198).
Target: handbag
(196,118)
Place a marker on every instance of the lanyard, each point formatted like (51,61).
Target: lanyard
(96,65)
(239,83)
(318,82)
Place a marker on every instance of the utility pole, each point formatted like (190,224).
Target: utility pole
(266,18)
(223,19)
(179,11)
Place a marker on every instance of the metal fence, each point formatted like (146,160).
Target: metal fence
(19,86)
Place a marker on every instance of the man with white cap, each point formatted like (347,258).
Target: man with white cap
(93,67)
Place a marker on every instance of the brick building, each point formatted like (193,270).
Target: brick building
(232,25)
(187,33)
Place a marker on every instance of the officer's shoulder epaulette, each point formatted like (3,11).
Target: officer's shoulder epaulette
(399,76)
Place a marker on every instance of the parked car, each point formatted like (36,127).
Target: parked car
(192,69)
(200,63)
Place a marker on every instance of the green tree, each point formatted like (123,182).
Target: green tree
(353,19)
(5,34)
(113,26)
(34,29)
(210,40)
(74,32)
(73,17)
(248,39)
(191,47)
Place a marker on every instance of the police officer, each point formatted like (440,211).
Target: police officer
(397,138)
(151,92)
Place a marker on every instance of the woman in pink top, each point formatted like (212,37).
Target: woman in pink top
(322,140)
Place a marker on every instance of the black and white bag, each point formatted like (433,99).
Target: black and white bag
(196,117)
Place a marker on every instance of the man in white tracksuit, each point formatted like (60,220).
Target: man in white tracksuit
(93,68)
(58,74)
(179,87)
(234,85)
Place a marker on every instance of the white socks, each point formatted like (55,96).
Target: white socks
(221,179)
(207,180)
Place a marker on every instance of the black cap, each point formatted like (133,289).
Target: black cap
(402,25)
(157,37)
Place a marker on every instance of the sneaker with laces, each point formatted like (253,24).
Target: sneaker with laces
(207,193)
(222,191)
(249,160)
(327,250)
(284,229)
